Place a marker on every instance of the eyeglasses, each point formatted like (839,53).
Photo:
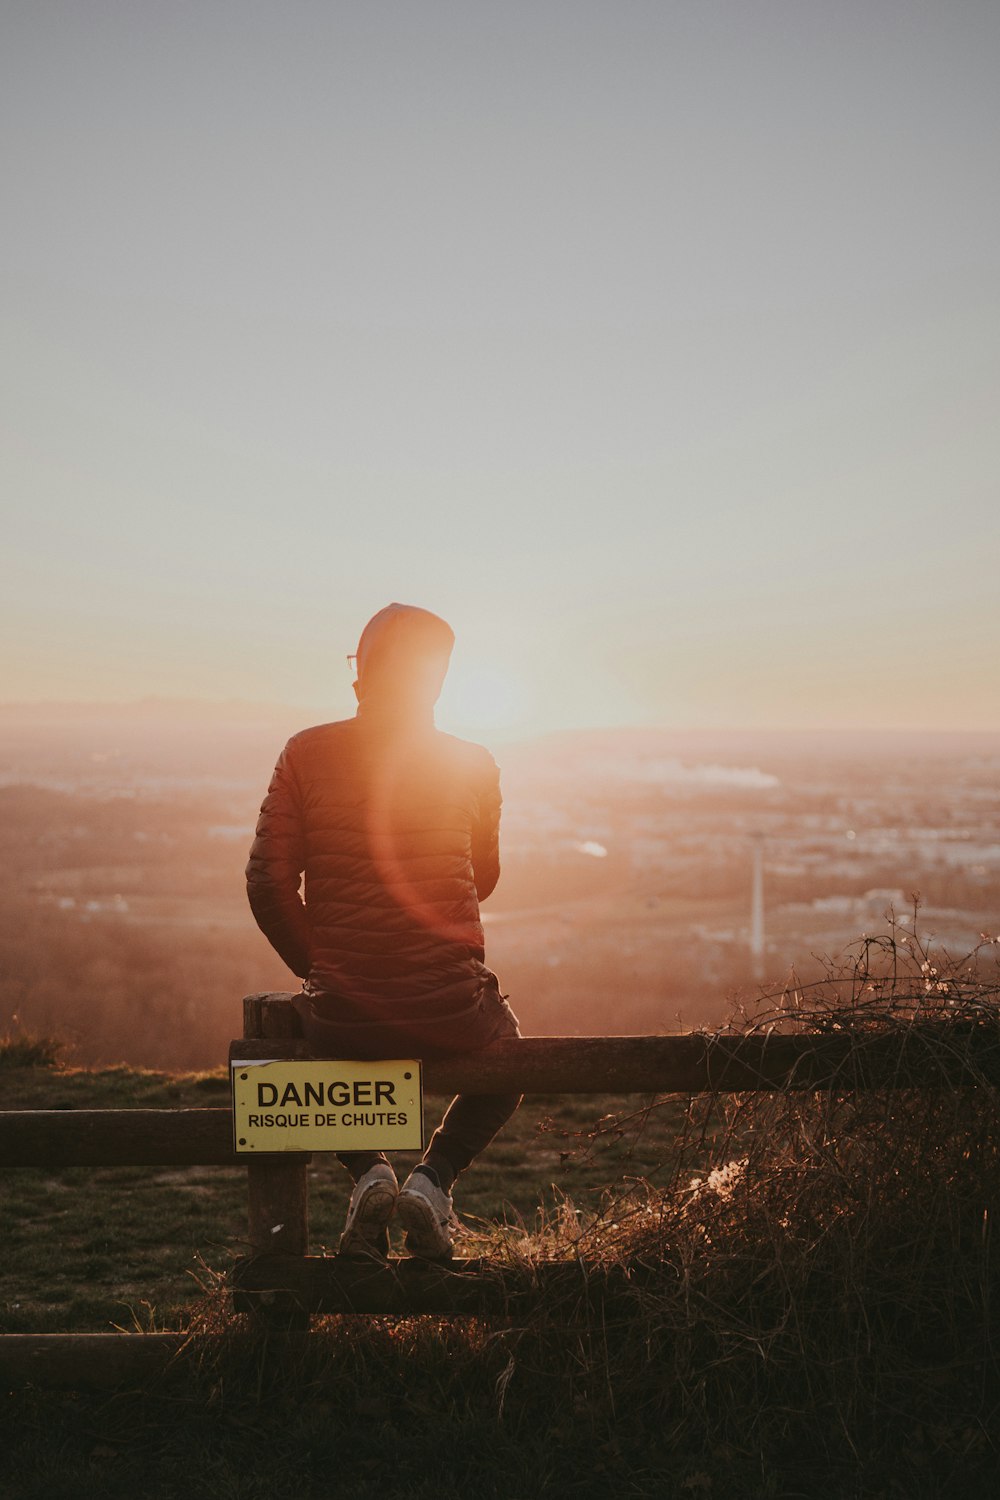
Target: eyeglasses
(352,661)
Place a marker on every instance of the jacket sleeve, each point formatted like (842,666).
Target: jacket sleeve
(486,832)
(274,871)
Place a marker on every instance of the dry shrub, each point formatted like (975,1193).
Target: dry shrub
(824,1291)
(24,1049)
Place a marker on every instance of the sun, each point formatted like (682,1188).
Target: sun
(482,699)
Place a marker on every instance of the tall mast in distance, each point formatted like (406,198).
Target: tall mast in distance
(757,908)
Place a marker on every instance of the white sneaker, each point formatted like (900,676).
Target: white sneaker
(372,1205)
(427,1214)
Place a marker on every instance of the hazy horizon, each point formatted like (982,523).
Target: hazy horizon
(281,714)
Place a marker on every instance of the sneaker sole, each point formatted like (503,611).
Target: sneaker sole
(424,1238)
(371,1220)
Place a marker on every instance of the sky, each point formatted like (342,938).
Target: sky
(655,345)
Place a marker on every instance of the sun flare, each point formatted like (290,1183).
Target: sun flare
(482,700)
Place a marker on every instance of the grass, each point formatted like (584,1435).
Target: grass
(144,1248)
(88,1250)
(23,1049)
(804,1301)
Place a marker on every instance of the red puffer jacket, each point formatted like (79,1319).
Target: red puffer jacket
(395,826)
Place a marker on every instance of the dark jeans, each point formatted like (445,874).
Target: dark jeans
(471,1120)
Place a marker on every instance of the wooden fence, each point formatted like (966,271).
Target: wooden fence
(279,1285)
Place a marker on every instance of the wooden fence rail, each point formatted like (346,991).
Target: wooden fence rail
(280,1285)
(540,1065)
(117,1138)
(695,1064)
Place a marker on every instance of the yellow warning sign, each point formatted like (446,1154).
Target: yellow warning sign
(327,1106)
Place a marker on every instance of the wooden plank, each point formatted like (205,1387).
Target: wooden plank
(270,1014)
(338,1284)
(278,1210)
(277,1187)
(919,1056)
(117,1138)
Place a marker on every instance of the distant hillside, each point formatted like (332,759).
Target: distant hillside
(110,747)
(156,742)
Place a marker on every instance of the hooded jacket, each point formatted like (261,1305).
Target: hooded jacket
(395,828)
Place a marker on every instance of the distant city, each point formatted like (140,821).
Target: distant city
(649,877)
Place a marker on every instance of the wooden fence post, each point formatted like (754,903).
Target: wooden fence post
(278,1188)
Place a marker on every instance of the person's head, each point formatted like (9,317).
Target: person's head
(403,656)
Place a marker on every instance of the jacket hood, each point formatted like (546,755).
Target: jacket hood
(403,654)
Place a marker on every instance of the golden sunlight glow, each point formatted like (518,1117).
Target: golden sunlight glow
(482,699)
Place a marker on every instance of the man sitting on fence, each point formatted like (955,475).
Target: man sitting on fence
(395,827)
